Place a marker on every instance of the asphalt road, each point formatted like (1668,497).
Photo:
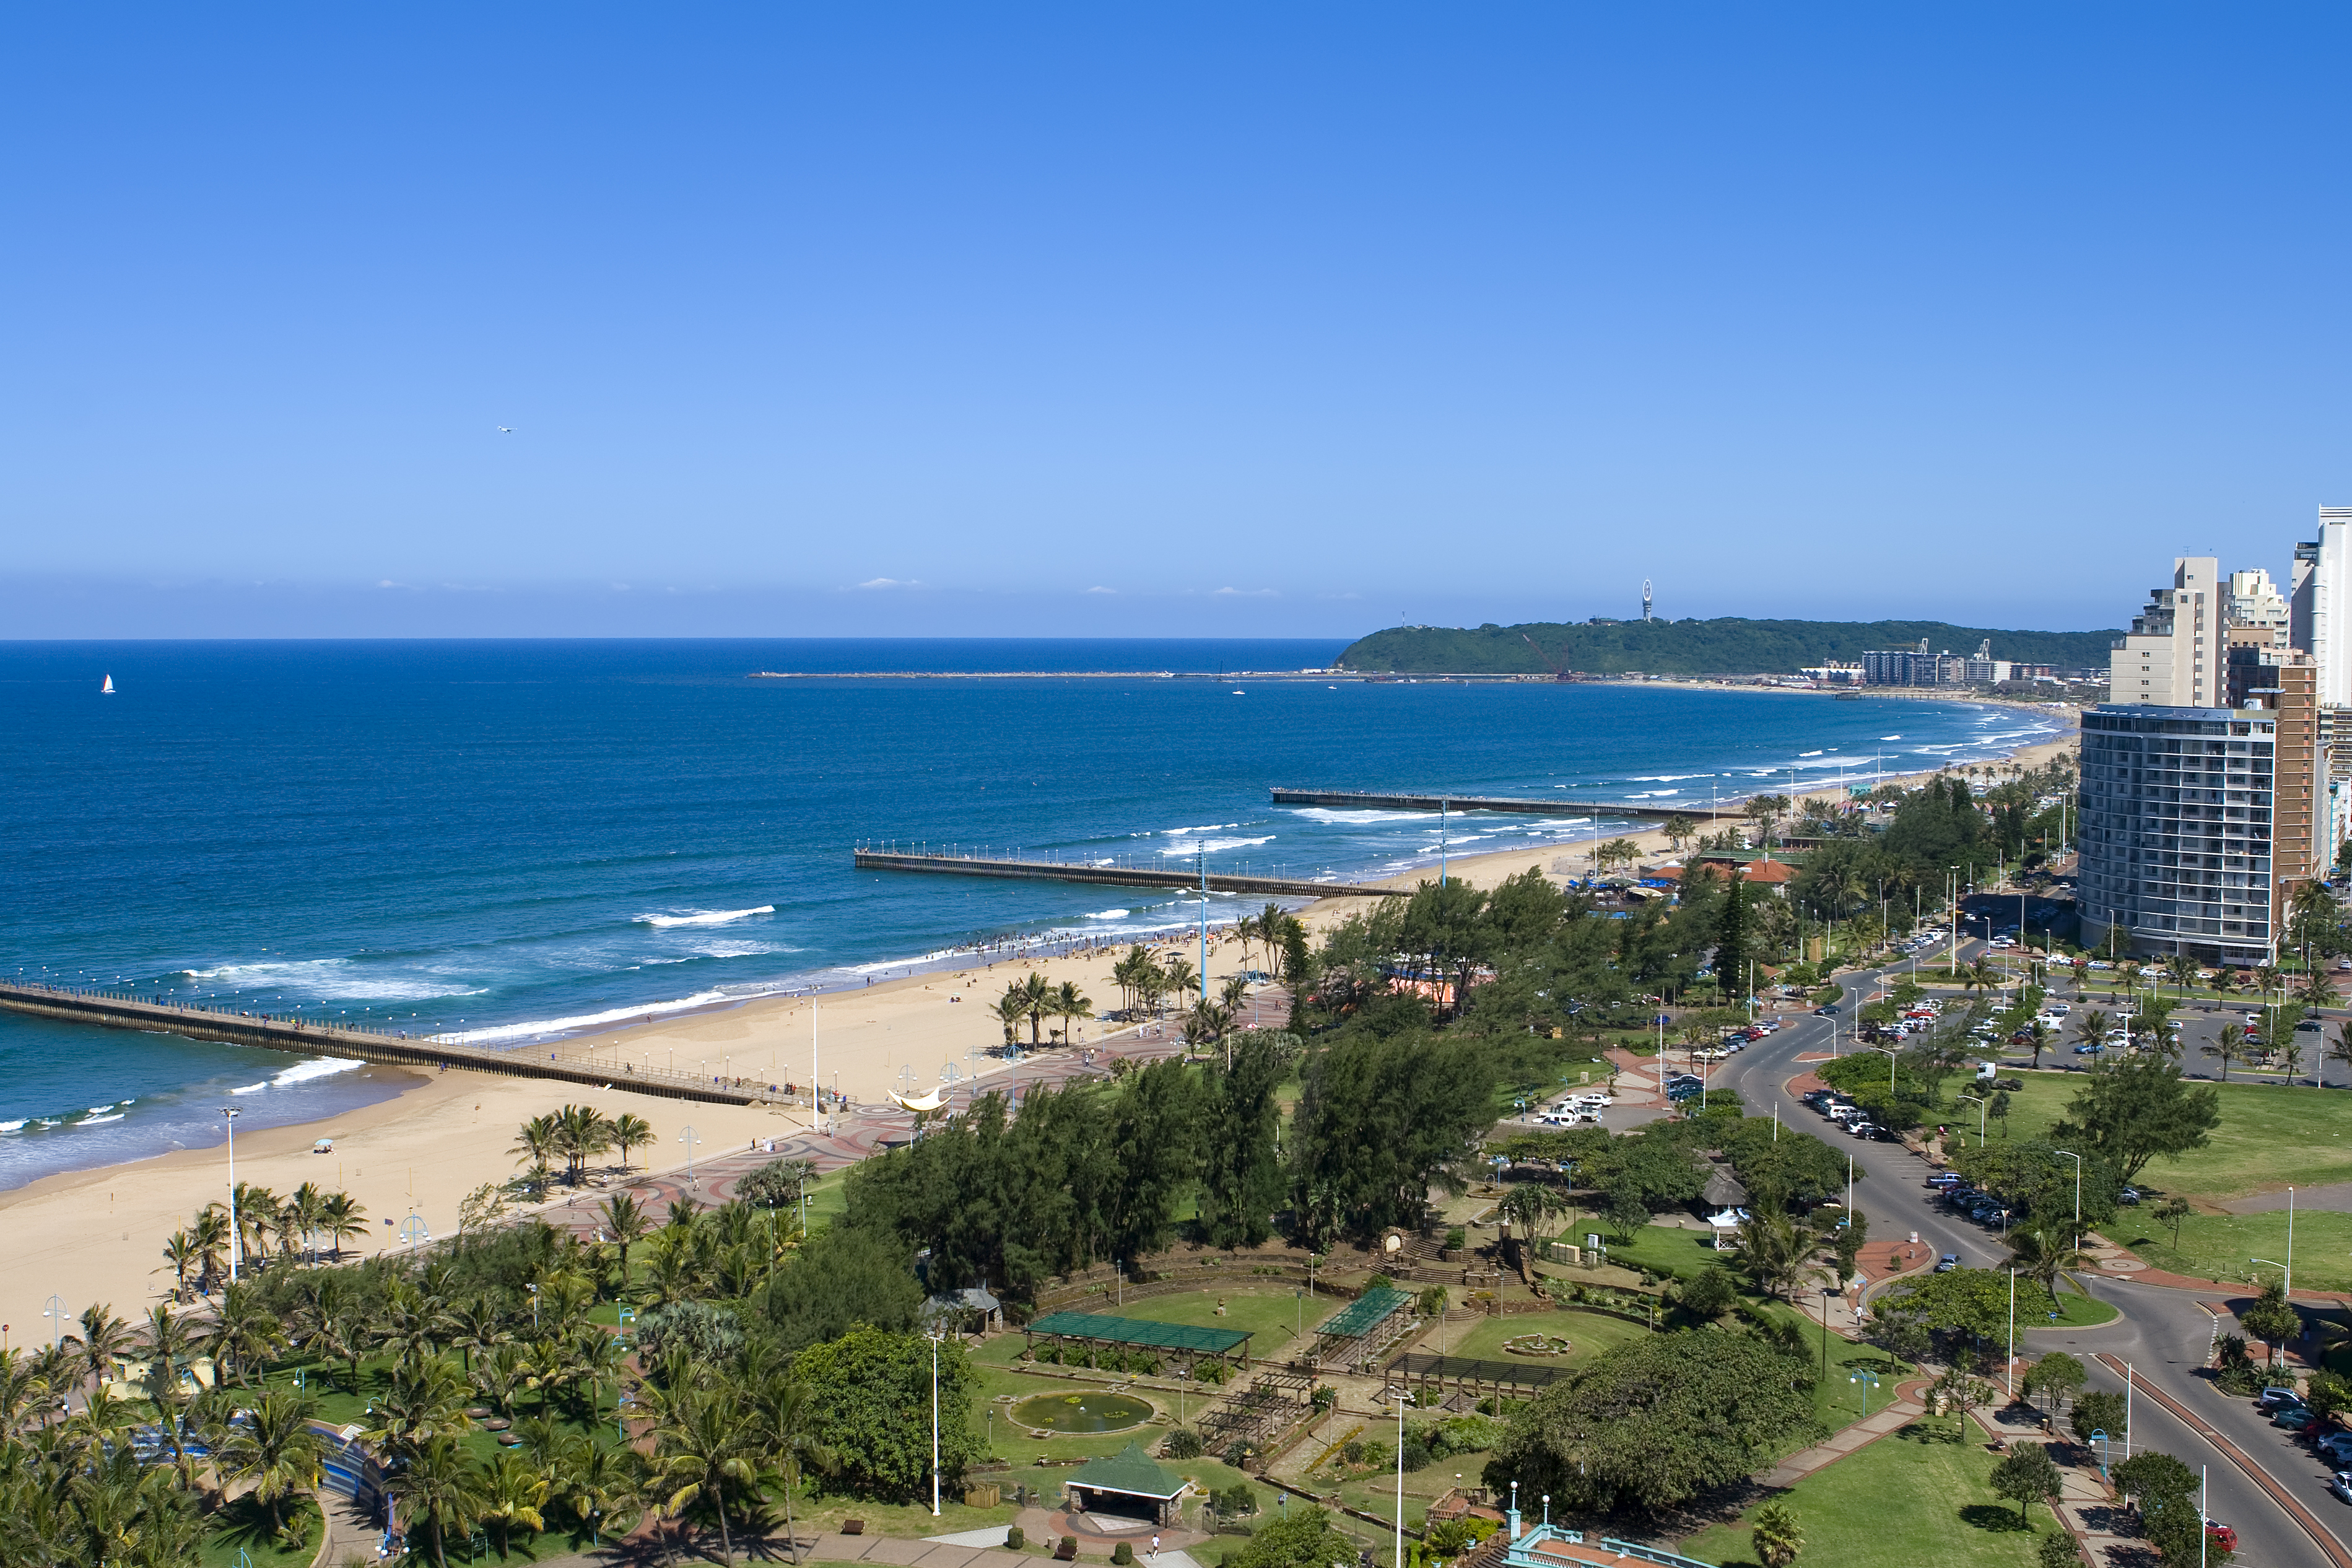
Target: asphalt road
(2164,1334)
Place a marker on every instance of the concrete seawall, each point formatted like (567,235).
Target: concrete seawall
(118,1010)
(1367,799)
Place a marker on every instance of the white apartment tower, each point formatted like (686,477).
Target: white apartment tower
(2173,656)
(2257,605)
(2320,608)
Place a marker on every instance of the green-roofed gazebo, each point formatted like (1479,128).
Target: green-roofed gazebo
(1128,1485)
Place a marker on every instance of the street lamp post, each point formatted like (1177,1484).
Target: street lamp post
(1864,1381)
(935,1336)
(689,1140)
(1981,1115)
(2078,1191)
(236,1247)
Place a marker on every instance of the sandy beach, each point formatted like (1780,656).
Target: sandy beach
(96,1235)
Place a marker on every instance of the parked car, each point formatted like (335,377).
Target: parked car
(2341,1487)
(2297,1419)
(1946,1264)
(2336,1448)
(2274,1398)
(2221,1535)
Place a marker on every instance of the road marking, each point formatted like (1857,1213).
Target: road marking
(2318,1532)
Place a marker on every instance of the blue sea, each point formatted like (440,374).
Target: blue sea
(506,840)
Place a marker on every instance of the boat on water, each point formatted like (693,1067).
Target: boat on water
(1848,697)
(106,686)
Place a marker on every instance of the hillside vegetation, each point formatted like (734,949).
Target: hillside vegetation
(1731,645)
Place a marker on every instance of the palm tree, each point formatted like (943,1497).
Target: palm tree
(626,1222)
(1981,975)
(475,1327)
(600,1485)
(788,1431)
(512,1487)
(1070,1003)
(343,1219)
(275,1449)
(2340,1050)
(1775,1535)
(534,1145)
(1009,1010)
(209,1231)
(1178,975)
(441,1491)
(307,1211)
(2233,1046)
(180,1255)
(170,1342)
(1777,1253)
(1036,1002)
(2042,1254)
(706,1445)
(243,1329)
(631,1130)
(104,1340)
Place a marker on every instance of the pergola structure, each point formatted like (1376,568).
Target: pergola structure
(1361,1328)
(1091,1330)
(1477,1379)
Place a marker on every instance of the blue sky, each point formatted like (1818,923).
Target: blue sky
(1211,320)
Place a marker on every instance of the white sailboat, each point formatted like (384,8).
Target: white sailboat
(106,688)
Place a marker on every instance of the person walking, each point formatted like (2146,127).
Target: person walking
(1155,1547)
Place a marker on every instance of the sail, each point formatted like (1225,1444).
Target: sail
(930,1101)
(107,689)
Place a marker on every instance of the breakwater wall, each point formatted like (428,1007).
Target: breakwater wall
(155,1015)
(1110,876)
(1360,800)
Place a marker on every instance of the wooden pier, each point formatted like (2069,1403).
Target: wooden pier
(1362,800)
(123,1010)
(1109,875)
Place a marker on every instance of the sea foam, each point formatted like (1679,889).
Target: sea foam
(704,917)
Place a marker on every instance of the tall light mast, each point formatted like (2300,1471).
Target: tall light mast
(1645,598)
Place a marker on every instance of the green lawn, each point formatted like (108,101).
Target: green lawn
(2077,1309)
(2269,1137)
(241,1527)
(1588,1334)
(1661,1249)
(1916,1498)
(2217,1246)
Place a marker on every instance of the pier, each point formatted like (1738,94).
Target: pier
(1360,800)
(1112,876)
(122,1010)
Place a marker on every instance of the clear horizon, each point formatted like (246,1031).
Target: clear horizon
(926,322)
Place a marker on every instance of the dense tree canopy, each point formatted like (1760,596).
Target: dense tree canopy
(1654,1422)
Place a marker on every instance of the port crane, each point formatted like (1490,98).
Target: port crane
(1559,670)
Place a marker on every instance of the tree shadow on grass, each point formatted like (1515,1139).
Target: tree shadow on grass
(245,1522)
(1994,1516)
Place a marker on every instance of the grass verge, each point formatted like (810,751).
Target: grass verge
(1914,1496)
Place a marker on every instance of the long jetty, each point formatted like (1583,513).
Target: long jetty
(1109,875)
(123,1010)
(1360,800)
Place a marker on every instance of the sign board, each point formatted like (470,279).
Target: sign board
(1592,1239)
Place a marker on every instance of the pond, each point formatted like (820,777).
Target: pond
(1082,1412)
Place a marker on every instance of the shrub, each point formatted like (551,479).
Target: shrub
(1416,1454)
(1236,1453)
(1456,1239)
(1182,1443)
(1122,1555)
(1379,1282)
(1015,1540)
(1324,1396)
(708,1334)
(1233,1501)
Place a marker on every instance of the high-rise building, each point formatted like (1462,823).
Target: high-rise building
(2176,843)
(2319,606)
(2206,789)
(2173,658)
(2256,606)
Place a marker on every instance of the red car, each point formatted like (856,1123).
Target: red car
(2221,1535)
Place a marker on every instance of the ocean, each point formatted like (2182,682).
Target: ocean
(506,840)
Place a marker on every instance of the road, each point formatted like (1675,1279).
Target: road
(2164,1334)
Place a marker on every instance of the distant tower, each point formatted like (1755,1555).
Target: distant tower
(1645,598)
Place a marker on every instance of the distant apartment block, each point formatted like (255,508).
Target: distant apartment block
(1917,667)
